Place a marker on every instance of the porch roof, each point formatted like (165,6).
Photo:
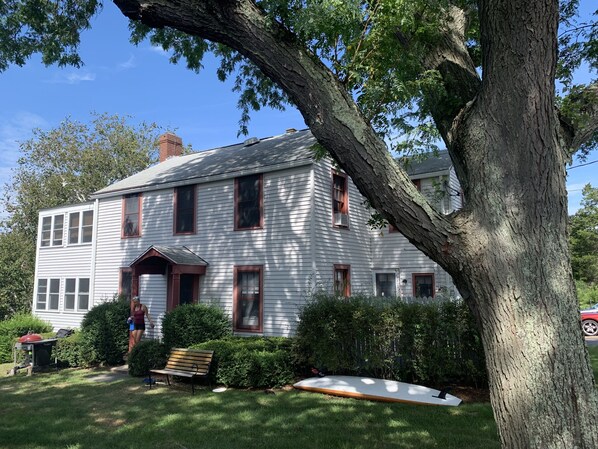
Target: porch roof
(176,255)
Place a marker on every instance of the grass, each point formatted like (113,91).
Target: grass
(66,410)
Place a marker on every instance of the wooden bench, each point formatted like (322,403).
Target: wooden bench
(182,362)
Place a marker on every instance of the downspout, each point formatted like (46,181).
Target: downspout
(94,247)
(37,246)
(313,234)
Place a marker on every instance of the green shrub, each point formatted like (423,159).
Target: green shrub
(105,333)
(70,351)
(191,324)
(15,327)
(434,342)
(252,362)
(587,294)
(146,355)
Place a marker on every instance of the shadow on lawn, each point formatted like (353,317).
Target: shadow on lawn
(62,410)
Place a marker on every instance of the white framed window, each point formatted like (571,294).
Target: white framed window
(80,227)
(52,230)
(48,294)
(76,294)
(386,284)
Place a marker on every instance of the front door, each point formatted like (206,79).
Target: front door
(188,289)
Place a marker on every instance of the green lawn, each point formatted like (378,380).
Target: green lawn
(66,410)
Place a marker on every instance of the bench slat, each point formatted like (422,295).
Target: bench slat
(186,362)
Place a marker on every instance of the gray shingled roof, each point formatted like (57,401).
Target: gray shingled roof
(431,164)
(272,153)
(178,255)
(287,150)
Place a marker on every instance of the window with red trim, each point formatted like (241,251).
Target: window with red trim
(423,285)
(248,298)
(342,280)
(131,224)
(340,200)
(184,209)
(248,202)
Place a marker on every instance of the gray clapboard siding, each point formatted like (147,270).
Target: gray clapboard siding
(338,245)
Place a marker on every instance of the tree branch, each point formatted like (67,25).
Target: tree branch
(328,109)
(461,80)
(579,117)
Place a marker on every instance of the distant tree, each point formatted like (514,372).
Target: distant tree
(60,167)
(66,164)
(16,274)
(584,238)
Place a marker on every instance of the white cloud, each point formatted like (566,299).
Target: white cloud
(14,130)
(72,78)
(158,50)
(128,64)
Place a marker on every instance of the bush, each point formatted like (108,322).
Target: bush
(15,327)
(146,355)
(434,342)
(191,324)
(70,351)
(105,333)
(587,294)
(252,362)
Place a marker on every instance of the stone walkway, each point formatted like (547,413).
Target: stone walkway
(116,373)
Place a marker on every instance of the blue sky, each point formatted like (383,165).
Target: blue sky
(120,78)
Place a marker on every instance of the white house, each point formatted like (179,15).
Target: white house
(253,227)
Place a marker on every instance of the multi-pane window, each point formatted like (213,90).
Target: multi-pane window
(386,285)
(76,294)
(52,230)
(131,215)
(70,293)
(184,210)
(423,285)
(80,227)
(248,298)
(83,294)
(340,200)
(126,282)
(342,280)
(57,230)
(48,293)
(248,202)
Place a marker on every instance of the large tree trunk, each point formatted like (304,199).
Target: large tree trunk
(516,258)
(507,250)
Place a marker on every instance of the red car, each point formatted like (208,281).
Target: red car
(589,322)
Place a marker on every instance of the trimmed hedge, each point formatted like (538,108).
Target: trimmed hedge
(70,352)
(105,333)
(434,342)
(252,362)
(191,324)
(15,327)
(146,355)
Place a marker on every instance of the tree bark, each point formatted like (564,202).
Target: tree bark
(507,250)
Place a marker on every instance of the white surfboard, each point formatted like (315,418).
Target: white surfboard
(376,389)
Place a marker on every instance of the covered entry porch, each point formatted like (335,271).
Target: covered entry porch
(181,267)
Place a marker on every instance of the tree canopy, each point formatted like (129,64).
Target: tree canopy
(481,76)
(584,238)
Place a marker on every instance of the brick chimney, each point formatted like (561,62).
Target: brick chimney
(170,145)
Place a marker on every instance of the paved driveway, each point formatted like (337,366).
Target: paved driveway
(592,341)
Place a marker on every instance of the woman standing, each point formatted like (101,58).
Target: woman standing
(138,313)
